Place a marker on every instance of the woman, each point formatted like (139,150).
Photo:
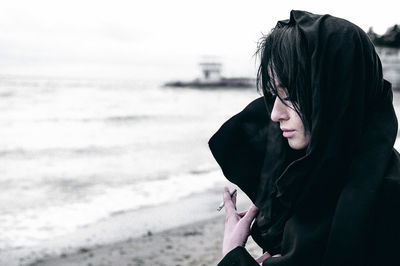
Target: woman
(315,154)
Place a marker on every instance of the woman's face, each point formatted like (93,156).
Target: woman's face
(290,122)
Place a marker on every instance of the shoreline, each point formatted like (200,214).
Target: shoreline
(125,226)
(197,243)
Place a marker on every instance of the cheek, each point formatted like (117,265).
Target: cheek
(303,137)
(297,122)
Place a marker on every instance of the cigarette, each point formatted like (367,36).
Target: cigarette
(223,203)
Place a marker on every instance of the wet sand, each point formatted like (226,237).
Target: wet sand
(194,244)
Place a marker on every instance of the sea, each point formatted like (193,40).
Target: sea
(87,162)
(76,153)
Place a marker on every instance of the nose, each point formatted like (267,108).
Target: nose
(279,111)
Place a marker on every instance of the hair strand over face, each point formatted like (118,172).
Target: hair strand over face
(285,64)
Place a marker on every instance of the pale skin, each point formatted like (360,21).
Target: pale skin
(290,121)
(237,225)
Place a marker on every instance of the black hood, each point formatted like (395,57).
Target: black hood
(353,130)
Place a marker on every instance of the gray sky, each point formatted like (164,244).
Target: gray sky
(153,38)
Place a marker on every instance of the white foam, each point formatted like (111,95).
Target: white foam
(33,226)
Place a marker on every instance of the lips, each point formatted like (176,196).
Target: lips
(287,133)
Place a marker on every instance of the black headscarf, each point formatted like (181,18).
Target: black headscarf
(327,193)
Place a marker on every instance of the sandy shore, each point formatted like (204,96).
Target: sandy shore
(184,232)
(194,244)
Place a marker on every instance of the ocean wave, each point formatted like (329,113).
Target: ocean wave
(26,226)
(112,119)
(61,152)
(166,190)
(6,94)
(126,118)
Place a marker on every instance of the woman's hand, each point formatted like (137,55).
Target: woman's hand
(237,225)
(265,256)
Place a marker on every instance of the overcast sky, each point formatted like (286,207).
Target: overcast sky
(153,38)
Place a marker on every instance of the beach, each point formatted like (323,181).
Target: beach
(170,234)
(106,111)
(92,162)
(195,244)
(112,172)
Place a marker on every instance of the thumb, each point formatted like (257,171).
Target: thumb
(250,215)
(263,257)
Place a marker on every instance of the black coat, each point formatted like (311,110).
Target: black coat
(338,201)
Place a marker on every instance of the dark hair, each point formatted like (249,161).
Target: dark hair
(283,54)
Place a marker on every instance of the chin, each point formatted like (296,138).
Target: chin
(295,145)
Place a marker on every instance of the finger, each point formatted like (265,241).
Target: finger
(234,196)
(229,206)
(250,215)
(263,257)
(241,214)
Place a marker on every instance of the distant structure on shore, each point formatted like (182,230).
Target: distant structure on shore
(388,48)
(212,78)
